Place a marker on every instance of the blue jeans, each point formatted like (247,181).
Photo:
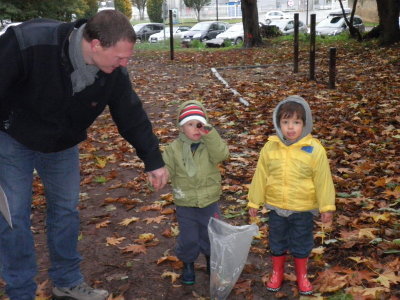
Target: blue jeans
(193,231)
(59,173)
(292,234)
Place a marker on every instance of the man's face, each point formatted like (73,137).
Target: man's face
(108,59)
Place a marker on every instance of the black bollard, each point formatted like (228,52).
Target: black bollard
(171,35)
(312,48)
(332,67)
(296,44)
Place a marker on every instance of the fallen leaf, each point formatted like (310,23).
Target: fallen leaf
(103,224)
(114,241)
(127,221)
(155,219)
(174,276)
(135,249)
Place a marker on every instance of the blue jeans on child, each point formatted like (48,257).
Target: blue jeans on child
(59,173)
(292,234)
(193,231)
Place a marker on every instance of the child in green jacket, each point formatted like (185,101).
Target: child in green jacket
(293,180)
(192,161)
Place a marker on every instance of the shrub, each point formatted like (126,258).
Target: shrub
(154,10)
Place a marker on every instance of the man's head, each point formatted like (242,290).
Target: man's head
(109,27)
(108,40)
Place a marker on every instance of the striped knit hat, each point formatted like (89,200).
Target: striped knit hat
(192,112)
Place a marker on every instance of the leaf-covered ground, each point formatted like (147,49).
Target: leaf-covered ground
(128,232)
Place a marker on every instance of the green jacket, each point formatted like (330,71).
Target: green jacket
(204,187)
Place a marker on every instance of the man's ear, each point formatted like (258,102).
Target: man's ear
(94,45)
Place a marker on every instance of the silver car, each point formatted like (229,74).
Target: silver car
(287,26)
(334,25)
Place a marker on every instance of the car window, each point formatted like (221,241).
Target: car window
(335,20)
(200,26)
(214,27)
(289,25)
(158,27)
(221,27)
(357,21)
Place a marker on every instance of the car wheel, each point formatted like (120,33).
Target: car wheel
(267,21)
(238,40)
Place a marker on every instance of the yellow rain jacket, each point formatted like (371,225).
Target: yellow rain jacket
(295,177)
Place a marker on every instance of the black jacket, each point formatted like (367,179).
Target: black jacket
(37,107)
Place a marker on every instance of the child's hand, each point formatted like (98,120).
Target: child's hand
(253,212)
(204,128)
(327,217)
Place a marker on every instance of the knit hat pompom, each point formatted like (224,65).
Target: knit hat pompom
(192,112)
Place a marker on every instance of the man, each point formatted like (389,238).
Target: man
(56,78)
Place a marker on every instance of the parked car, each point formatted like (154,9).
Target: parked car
(203,31)
(235,34)
(176,31)
(145,30)
(8,26)
(335,24)
(276,15)
(286,26)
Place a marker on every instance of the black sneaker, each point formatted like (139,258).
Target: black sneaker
(79,292)
(188,276)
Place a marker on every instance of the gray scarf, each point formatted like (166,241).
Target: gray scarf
(83,74)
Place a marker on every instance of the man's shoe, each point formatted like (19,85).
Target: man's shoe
(79,292)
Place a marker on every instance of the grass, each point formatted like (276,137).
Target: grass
(327,41)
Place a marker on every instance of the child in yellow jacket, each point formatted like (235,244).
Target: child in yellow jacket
(293,180)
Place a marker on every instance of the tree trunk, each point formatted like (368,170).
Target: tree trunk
(388,11)
(252,37)
(354,32)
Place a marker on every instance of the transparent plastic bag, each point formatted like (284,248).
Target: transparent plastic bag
(230,246)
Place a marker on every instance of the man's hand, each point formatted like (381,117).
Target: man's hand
(253,211)
(158,178)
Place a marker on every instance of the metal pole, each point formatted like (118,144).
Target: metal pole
(312,48)
(296,44)
(171,35)
(332,67)
(216,5)
(307,12)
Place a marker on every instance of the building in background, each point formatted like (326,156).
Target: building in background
(231,9)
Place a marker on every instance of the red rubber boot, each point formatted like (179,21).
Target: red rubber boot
(276,279)
(305,287)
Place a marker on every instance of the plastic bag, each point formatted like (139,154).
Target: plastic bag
(230,246)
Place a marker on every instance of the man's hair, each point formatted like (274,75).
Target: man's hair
(291,108)
(109,27)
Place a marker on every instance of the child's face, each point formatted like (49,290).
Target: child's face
(291,127)
(191,130)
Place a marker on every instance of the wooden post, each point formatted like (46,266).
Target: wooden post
(312,48)
(171,35)
(296,44)
(332,67)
